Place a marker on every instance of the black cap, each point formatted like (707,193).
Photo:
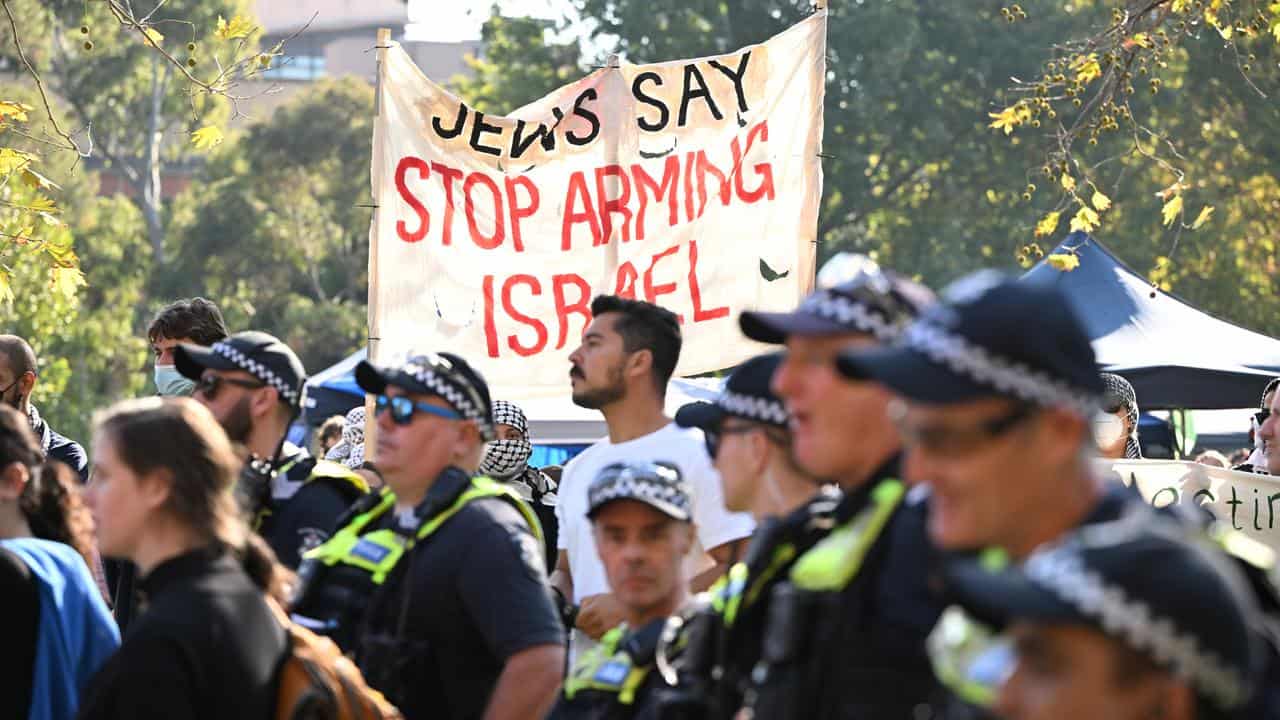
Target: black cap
(444,375)
(656,484)
(1142,582)
(989,336)
(746,394)
(260,354)
(868,300)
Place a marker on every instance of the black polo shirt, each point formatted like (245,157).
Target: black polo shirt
(204,646)
(439,631)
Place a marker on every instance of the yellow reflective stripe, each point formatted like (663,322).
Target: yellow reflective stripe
(482,487)
(635,679)
(731,593)
(337,471)
(339,546)
(582,677)
(835,560)
(781,556)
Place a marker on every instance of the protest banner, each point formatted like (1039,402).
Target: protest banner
(693,184)
(1249,503)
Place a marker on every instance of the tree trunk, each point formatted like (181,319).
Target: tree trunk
(151,198)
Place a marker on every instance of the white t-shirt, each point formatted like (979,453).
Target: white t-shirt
(682,447)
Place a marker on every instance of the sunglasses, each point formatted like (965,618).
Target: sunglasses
(714,437)
(1261,416)
(950,440)
(403,409)
(209,385)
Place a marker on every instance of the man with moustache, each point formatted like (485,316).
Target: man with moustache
(253,384)
(627,356)
(846,630)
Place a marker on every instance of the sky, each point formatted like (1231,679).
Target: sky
(454,21)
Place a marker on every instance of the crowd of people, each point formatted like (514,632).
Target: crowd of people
(894,515)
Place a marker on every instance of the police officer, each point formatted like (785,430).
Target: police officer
(748,439)
(1125,619)
(253,384)
(845,636)
(437,586)
(642,517)
(998,387)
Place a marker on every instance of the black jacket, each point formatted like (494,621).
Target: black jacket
(205,646)
(862,649)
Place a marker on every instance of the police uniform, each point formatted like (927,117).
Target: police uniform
(633,673)
(725,637)
(845,631)
(994,336)
(845,636)
(1142,582)
(431,603)
(293,501)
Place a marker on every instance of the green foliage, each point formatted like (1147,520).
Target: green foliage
(293,263)
(519,65)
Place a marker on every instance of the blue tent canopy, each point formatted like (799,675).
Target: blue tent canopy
(1175,355)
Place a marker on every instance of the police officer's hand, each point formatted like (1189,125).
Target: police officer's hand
(599,614)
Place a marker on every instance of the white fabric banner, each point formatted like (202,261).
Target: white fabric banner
(1249,503)
(693,184)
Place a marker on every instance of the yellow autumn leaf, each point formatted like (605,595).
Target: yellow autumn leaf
(13,110)
(240,26)
(6,292)
(1100,201)
(1048,224)
(1085,220)
(1141,40)
(1063,262)
(38,181)
(1009,118)
(153,35)
(1206,212)
(12,160)
(1172,209)
(1068,182)
(206,137)
(1087,68)
(1180,5)
(66,280)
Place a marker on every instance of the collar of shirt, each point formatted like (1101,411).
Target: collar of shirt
(188,565)
(856,499)
(446,488)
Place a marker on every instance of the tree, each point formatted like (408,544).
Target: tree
(132,81)
(81,327)
(272,231)
(519,61)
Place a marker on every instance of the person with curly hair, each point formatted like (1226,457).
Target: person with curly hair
(60,630)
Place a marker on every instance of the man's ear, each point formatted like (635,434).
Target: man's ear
(26,383)
(13,480)
(639,364)
(264,402)
(760,448)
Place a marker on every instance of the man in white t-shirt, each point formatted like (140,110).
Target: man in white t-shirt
(627,356)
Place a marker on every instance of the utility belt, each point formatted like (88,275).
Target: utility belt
(802,649)
(338,579)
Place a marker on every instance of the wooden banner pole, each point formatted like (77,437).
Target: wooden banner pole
(375,318)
